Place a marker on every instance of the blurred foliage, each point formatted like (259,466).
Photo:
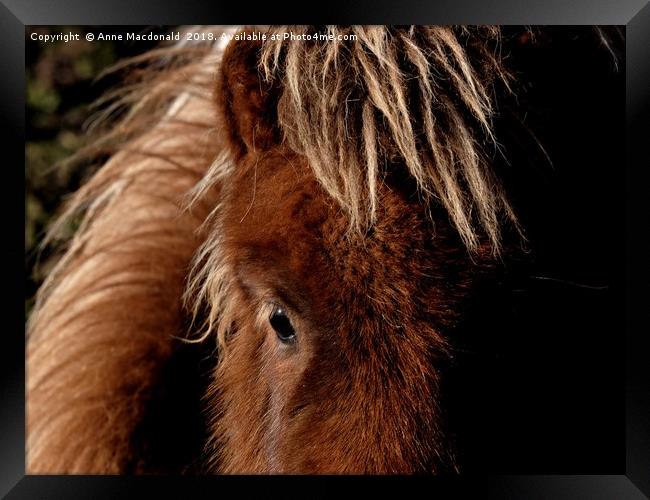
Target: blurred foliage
(61,83)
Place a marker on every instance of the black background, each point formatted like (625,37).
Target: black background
(540,376)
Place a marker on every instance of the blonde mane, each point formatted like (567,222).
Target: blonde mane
(107,315)
(421,96)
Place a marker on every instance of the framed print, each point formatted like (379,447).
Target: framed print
(401,249)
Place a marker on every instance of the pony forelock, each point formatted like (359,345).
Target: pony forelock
(420,96)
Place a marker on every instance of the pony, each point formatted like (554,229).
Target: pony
(269,271)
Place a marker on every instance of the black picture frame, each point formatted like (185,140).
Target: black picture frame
(632,483)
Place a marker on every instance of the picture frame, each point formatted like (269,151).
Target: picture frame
(631,480)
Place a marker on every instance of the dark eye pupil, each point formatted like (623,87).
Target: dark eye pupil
(282,325)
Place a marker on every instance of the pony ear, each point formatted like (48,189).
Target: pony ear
(246,102)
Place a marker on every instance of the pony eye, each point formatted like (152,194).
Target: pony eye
(281,323)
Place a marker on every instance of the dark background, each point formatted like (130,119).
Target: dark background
(538,380)
(537,383)
(539,386)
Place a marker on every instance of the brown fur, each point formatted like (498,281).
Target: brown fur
(359,390)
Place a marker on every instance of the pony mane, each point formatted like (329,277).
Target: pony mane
(421,96)
(118,284)
(157,85)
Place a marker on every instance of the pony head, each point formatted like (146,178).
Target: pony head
(358,211)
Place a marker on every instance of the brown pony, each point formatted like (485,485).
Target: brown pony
(315,213)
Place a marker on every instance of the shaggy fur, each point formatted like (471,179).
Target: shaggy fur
(384,135)
(103,326)
(420,96)
(357,393)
